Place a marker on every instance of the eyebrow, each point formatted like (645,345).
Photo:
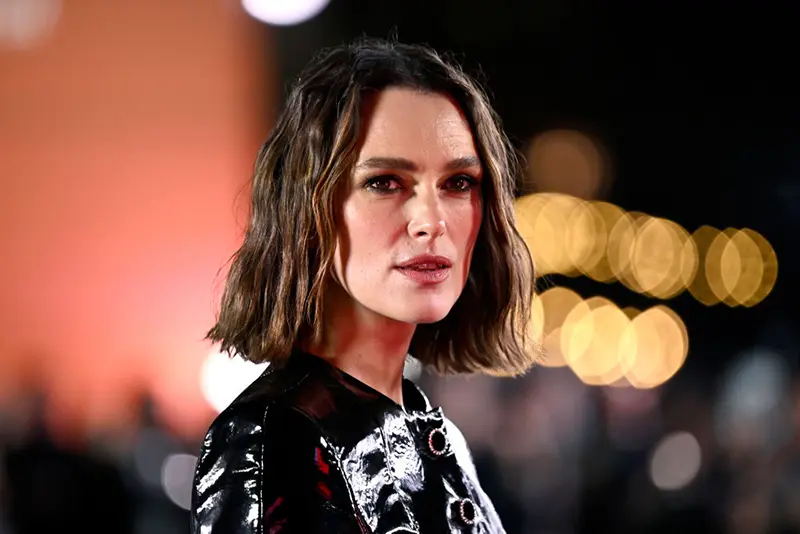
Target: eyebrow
(402,164)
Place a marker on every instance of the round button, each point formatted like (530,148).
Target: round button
(466,511)
(437,441)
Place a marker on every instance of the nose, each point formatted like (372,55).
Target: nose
(426,221)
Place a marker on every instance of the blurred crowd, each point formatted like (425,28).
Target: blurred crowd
(555,455)
(90,483)
(718,455)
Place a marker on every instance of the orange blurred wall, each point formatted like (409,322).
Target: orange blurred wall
(124,139)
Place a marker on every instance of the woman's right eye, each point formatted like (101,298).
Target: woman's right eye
(382,184)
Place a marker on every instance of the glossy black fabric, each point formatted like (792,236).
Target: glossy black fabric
(309,449)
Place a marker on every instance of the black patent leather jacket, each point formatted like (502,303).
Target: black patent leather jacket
(309,449)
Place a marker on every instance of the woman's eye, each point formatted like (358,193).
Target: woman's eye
(382,183)
(461,182)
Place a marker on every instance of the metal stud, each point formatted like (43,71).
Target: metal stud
(437,441)
(466,511)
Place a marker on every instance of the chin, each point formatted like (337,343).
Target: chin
(424,314)
(430,320)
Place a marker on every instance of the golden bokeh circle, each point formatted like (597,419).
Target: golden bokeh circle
(557,303)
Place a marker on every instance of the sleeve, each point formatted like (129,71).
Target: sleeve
(268,475)
(461,449)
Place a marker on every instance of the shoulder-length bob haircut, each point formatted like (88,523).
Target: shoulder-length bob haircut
(273,297)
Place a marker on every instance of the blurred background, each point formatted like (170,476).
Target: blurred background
(660,199)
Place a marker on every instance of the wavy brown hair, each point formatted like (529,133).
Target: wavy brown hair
(274,290)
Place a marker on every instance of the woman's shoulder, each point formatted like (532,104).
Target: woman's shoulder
(262,463)
(264,409)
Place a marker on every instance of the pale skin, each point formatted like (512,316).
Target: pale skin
(415,190)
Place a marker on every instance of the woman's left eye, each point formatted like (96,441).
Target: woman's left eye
(462,182)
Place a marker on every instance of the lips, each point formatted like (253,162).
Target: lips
(426,269)
(426,266)
(426,262)
(425,276)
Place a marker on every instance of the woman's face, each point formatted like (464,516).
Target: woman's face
(411,210)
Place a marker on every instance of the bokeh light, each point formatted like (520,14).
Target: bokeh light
(594,342)
(661,347)
(556,304)
(223,378)
(649,255)
(752,401)
(570,162)
(284,12)
(608,346)
(177,475)
(27,23)
(676,461)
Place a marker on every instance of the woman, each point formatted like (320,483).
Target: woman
(381,226)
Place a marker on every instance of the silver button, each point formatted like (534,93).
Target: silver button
(437,441)
(466,511)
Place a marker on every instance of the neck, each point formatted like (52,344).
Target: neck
(363,344)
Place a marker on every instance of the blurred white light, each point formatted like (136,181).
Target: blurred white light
(25,23)
(753,405)
(284,12)
(754,385)
(223,378)
(675,461)
(149,452)
(177,473)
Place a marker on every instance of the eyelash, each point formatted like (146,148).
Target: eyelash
(370,183)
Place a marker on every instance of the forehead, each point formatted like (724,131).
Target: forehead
(414,124)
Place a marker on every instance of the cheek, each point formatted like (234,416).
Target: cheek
(367,229)
(361,223)
(467,220)
(477,217)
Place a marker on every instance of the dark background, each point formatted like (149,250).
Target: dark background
(696,103)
